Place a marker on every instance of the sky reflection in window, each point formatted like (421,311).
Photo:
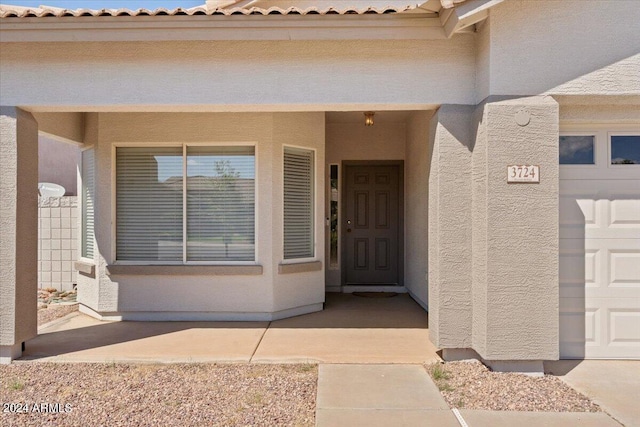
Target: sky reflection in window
(625,150)
(577,150)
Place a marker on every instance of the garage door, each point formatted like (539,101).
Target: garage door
(600,245)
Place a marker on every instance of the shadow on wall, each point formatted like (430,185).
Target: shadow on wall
(58,163)
(573,280)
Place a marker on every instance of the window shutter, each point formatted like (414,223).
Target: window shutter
(298,203)
(220,203)
(88,192)
(149,199)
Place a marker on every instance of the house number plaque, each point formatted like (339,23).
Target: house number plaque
(528,174)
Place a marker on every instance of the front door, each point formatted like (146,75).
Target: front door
(372,224)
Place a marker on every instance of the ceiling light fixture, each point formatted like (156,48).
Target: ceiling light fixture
(368,118)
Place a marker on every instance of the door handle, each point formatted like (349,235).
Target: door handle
(348,226)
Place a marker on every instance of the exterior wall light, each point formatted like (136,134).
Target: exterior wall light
(368,118)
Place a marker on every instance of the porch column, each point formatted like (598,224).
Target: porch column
(450,209)
(515,234)
(18,230)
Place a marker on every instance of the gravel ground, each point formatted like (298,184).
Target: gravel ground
(54,311)
(157,395)
(471,385)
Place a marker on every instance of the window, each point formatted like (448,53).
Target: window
(88,191)
(209,217)
(333,220)
(298,203)
(625,149)
(577,150)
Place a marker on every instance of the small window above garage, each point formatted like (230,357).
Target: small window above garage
(625,150)
(577,149)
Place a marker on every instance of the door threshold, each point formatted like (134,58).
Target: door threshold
(349,289)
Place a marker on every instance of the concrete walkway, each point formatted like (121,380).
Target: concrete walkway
(612,384)
(379,395)
(371,353)
(351,329)
(405,396)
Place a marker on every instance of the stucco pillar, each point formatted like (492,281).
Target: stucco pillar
(450,210)
(515,233)
(18,230)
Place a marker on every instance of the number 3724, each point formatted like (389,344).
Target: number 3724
(523,173)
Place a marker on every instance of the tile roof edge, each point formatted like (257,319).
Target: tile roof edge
(10,11)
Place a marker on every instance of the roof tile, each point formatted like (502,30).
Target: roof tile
(9,11)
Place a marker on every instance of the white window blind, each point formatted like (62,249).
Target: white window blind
(298,203)
(220,203)
(217,210)
(88,192)
(149,204)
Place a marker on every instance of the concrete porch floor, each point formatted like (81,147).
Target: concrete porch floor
(351,329)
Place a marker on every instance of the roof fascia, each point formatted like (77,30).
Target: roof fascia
(202,28)
(461,18)
(431,6)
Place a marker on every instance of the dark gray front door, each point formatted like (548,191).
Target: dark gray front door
(371,224)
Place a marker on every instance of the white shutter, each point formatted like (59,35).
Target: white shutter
(220,203)
(298,203)
(88,192)
(149,201)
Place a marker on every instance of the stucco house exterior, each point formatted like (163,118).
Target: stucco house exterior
(227,172)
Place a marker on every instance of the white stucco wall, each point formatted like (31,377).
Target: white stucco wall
(216,295)
(58,163)
(416,176)
(18,228)
(483,61)
(88,285)
(238,75)
(565,47)
(598,113)
(515,235)
(300,130)
(450,229)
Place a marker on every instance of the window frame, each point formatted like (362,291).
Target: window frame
(314,215)
(597,156)
(81,201)
(183,145)
(610,136)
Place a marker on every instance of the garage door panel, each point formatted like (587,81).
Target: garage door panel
(592,267)
(579,210)
(596,328)
(600,264)
(579,328)
(579,268)
(624,328)
(600,209)
(624,213)
(624,267)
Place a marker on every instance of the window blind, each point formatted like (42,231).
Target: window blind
(149,199)
(298,203)
(220,203)
(88,192)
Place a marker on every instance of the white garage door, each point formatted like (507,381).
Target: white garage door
(600,245)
